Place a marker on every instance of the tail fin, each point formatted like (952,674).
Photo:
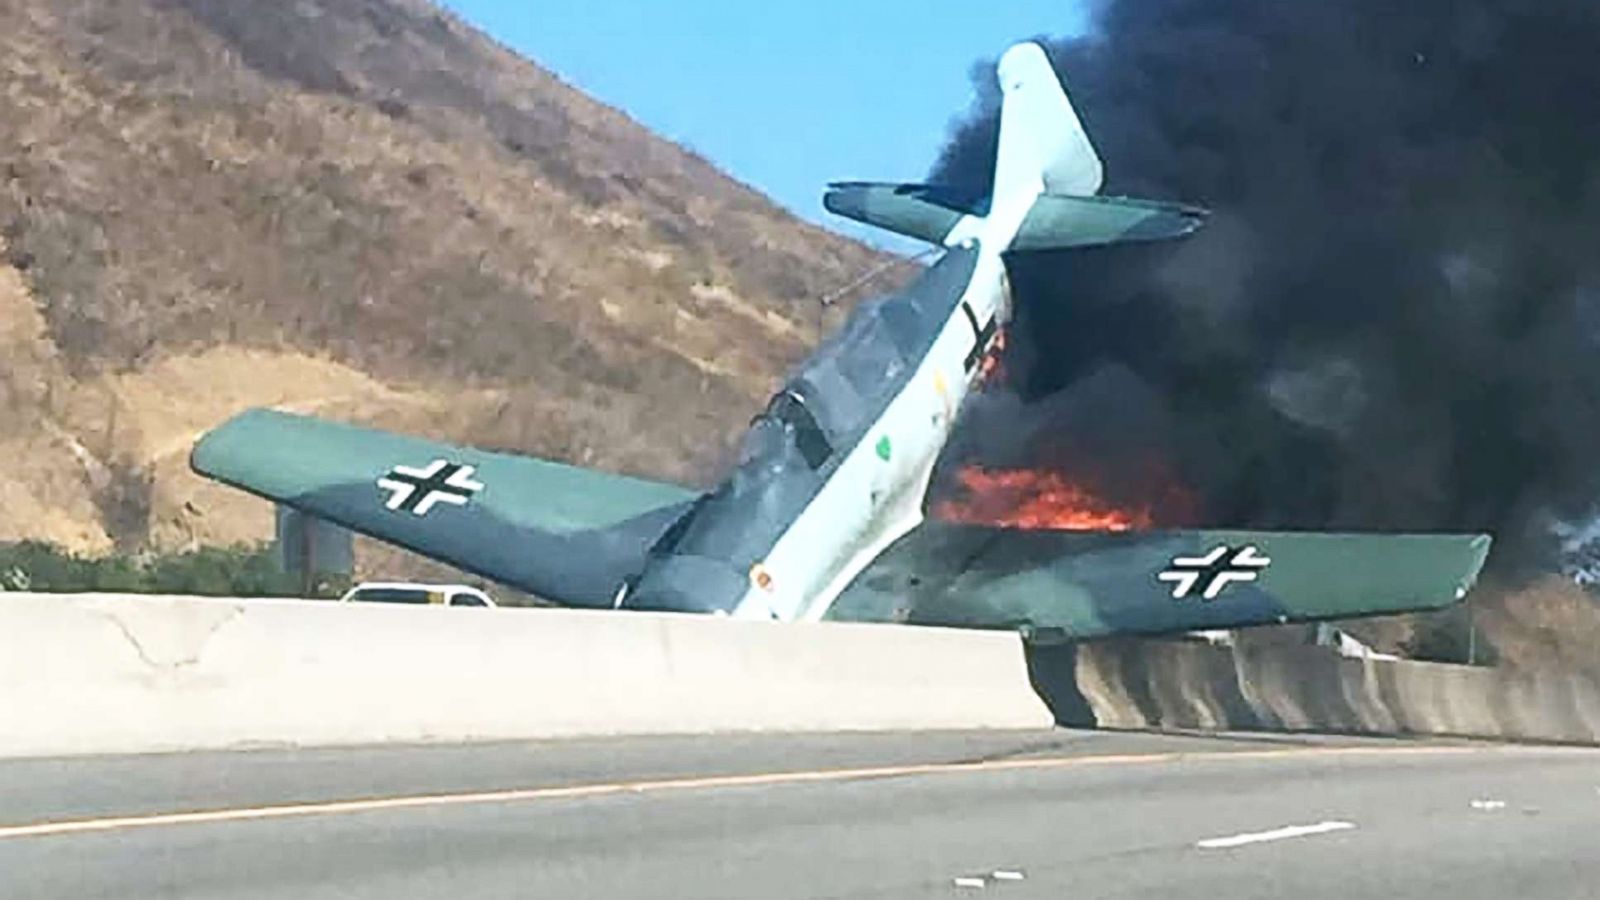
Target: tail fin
(1043,147)
(1046,177)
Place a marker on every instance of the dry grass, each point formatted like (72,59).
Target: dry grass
(49,489)
(365,208)
(1550,625)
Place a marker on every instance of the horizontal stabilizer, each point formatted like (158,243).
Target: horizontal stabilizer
(1059,222)
(931,213)
(927,212)
(566,534)
(1066,585)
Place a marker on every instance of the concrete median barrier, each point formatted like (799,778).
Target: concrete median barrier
(108,674)
(112,674)
(1177,684)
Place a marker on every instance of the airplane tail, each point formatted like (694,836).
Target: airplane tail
(1043,147)
(1047,178)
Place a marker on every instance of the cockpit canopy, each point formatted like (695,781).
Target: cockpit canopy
(789,407)
(823,410)
(836,394)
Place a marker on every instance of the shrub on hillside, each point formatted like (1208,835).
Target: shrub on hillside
(240,571)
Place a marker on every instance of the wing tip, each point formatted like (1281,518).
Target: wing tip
(209,454)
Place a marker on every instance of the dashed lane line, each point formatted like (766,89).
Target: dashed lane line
(1276,834)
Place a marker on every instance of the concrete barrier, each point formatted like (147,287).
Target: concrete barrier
(112,674)
(1175,684)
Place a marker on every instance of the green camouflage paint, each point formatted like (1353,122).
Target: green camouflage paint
(1056,222)
(559,531)
(1072,585)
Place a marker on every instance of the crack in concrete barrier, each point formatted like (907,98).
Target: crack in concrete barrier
(180,661)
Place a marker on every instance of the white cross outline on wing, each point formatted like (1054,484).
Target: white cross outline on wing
(1185,571)
(400,491)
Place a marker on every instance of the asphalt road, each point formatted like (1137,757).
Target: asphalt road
(1044,814)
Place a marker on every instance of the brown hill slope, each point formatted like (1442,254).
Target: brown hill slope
(365,208)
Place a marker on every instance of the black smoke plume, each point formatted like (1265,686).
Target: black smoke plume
(1392,320)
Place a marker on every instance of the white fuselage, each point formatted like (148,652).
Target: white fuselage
(876,494)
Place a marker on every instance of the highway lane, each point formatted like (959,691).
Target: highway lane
(1040,814)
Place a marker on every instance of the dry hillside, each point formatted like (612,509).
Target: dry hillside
(362,208)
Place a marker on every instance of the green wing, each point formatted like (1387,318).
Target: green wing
(1056,222)
(1071,585)
(564,533)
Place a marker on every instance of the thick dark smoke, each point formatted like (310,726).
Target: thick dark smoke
(1392,319)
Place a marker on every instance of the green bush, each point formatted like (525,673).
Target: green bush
(240,571)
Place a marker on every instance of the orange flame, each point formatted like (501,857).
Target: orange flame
(1038,500)
(991,371)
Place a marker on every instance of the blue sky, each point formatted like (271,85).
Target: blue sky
(785,96)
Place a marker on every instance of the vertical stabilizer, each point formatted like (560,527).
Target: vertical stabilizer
(1043,147)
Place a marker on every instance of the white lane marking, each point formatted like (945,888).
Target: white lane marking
(969,883)
(1488,804)
(1276,834)
(1007,875)
(521,795)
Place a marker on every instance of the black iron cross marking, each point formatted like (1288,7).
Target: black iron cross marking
(982,337)
(417,490)
(1219,568)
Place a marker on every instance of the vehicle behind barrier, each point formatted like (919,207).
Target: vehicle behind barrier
(411,593)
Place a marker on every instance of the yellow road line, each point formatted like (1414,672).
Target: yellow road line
(523,795)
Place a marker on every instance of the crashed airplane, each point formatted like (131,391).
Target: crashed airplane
(823,518)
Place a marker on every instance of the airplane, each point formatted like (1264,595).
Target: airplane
(823,517)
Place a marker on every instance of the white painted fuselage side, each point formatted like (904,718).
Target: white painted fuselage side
(876,494)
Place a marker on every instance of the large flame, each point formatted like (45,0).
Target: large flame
(1036,499)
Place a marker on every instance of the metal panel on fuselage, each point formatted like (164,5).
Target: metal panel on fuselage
(876,494)
(830,406)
